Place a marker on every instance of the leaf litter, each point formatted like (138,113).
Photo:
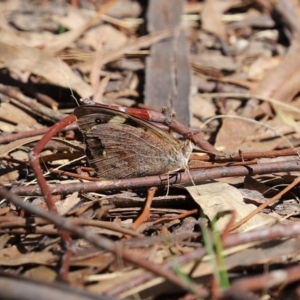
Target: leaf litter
(205,60)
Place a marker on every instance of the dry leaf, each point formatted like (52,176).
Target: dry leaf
(211,16)
(41,273)
(100,261)
(112,38)
(44,258)
(8,177)
(230,128)
(67,204)
(17,116)
(40,63)
(217,197)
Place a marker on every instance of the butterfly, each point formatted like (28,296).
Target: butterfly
(119,145)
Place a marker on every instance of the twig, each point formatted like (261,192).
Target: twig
(196,138)
(266,280)
(248,155)
(163,180)
(14,287)
(34,160)
(146,210)
(15,222)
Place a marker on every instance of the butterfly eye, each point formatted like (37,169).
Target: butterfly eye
(98,121)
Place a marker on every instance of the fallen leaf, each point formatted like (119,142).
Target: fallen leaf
(43,64)
(63,206)
(41,273)
(218,196)
(44,258)
(15,115)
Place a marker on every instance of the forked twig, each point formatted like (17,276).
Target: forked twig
(35,163)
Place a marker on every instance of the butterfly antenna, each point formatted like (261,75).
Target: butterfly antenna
(67,82)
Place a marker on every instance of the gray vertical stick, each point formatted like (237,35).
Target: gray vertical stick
(168,74)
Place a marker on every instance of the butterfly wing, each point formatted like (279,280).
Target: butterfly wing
(123,146)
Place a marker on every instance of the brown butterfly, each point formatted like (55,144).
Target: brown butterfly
(122,146)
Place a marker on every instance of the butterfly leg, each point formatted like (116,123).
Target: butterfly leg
(35,164)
